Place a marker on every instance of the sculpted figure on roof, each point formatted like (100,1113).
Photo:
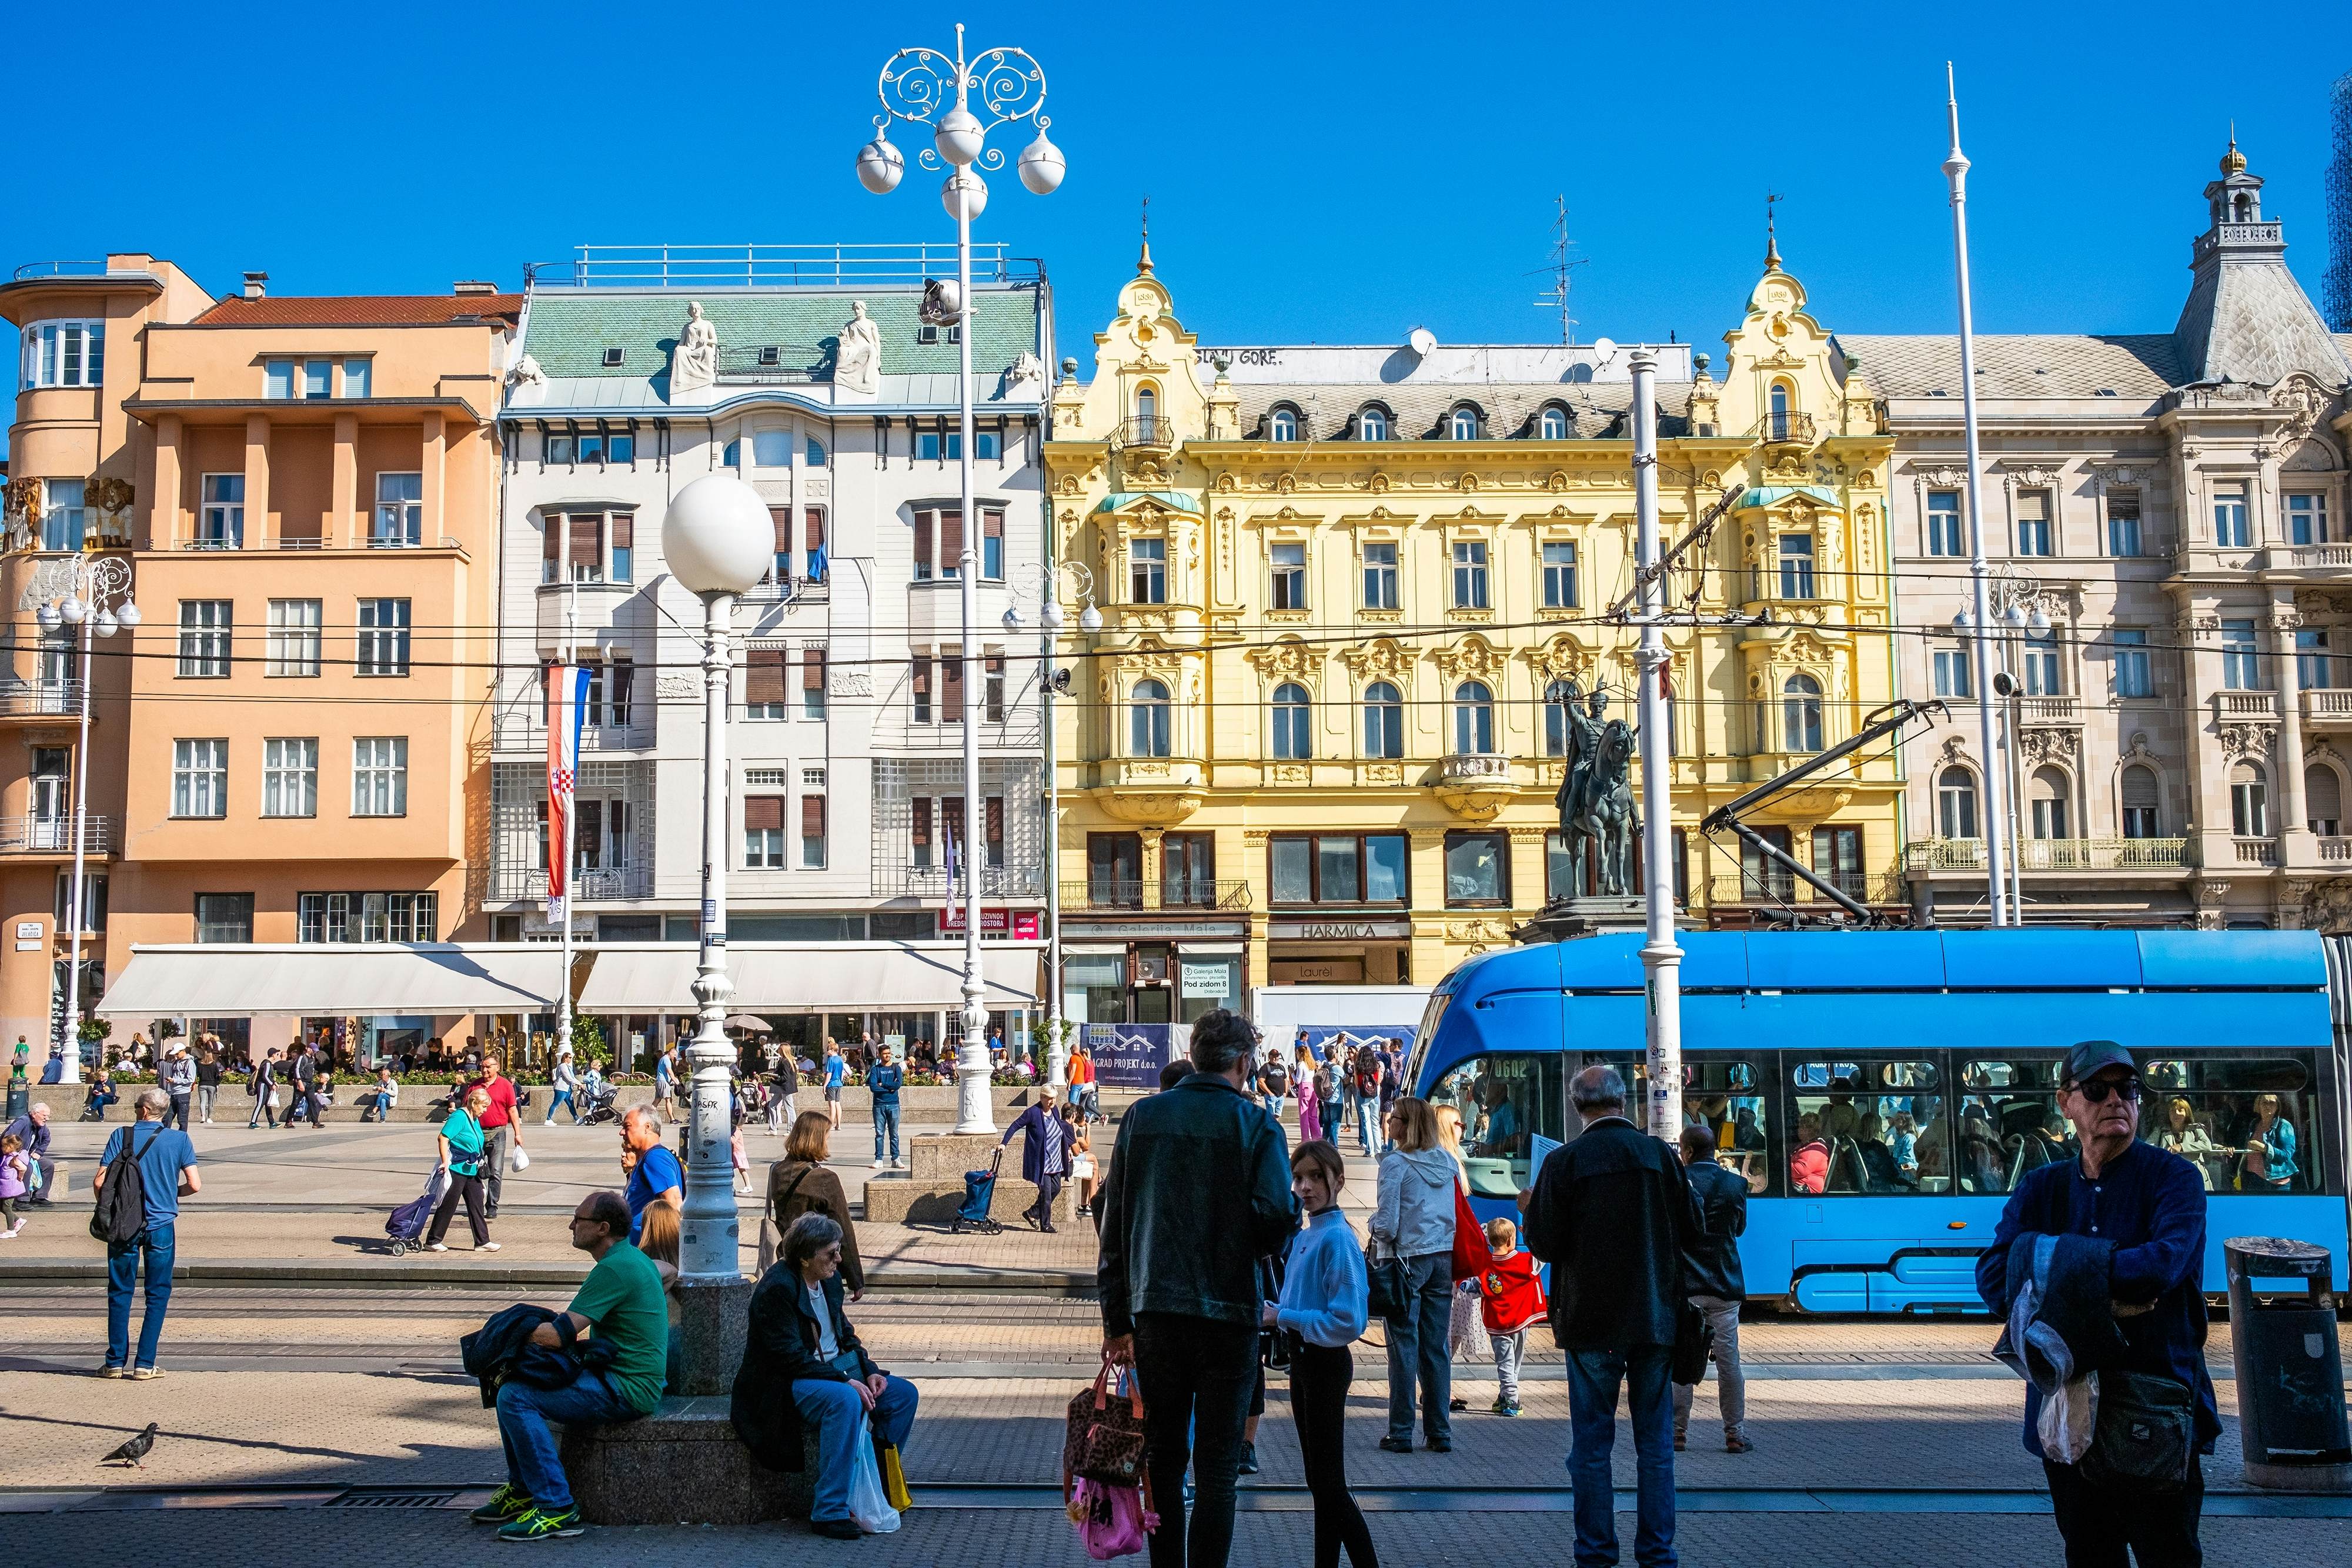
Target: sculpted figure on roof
(857,363)
(694,363)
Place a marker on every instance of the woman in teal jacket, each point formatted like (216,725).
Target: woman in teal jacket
(461,1156)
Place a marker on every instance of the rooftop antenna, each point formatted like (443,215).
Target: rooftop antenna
(1555,297)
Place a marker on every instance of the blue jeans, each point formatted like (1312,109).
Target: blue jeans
(533,1465)
(561,1097)
(840,1418)
(886,1116)
(1364,1112)
(122,1272)
(1417,1349)
(1593,1376)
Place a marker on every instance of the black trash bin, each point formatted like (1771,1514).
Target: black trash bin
(2290,1418)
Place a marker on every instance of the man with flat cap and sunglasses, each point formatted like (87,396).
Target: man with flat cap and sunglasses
(2148,1206)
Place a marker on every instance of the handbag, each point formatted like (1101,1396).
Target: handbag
(2143,1432)
(1385,1292)
(1082,1168)
(1103,1438)
(1112,1521)
(1472,1256)
(1694,1341)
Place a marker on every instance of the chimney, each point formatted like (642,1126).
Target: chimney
(257,285)
(473,285)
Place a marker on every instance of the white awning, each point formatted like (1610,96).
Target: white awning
(811,977)
(337,981)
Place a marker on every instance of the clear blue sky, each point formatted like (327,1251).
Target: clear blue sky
(1332,173)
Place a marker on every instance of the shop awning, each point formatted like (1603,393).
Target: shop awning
(811,977)
(337,980)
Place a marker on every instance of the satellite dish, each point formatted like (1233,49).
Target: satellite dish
(1603,350)
(1423,341)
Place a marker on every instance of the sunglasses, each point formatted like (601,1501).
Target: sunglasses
(2098,1090)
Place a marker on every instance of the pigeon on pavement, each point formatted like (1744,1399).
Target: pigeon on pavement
(134,1449)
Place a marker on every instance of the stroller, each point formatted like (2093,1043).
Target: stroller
(978,1192)
(597,1108)
(407,1223)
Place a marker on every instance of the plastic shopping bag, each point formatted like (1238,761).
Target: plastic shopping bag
(894,1477)
(868,1503)
(1111,1521)
(523,1160)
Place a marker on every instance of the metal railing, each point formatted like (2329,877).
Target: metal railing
(1772,886)
(2049,854)
(1172,893)
(39,835)
(46,699)
(1788,427)
(33,269)
(795,591)
(1479,767)
(775,265)
(1010,879)
(596,884)
(1151,431)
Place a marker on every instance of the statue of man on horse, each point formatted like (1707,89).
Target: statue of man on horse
(1596,798)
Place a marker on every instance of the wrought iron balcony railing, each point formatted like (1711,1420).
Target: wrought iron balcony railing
(43,835)
(1785,428)
(1169,893)
(1148,431)
(41,700)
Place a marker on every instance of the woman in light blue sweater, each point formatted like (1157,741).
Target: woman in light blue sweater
(1322,1311)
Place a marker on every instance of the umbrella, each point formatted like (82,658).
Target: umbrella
(745,1021)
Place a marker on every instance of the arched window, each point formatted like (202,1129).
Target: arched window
(1783,404)
(1800,714)
(2250,806)
(1372,424)
(1555,719)
(1474,719)
(2049,804)
(1290,722)
(2142,819)
(2323,800)
(1282,424)
(1461,424)
(1553,424)
(1383,720)
(1147,720)
(1956,803)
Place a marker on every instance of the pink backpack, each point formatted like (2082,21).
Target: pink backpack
(1111,1522)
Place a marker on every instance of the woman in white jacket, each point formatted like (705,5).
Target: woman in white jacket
(1413,1220)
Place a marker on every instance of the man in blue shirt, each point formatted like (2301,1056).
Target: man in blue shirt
(882,1081)
(167,1173)
(2150,1205)
(654,1175)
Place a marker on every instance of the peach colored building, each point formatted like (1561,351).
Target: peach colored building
(291,747)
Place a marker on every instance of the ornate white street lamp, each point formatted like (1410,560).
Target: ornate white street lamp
(92,592)
(924,87)
(719,542)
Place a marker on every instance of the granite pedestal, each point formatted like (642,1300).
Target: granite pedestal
(681,1464)
(930,1190)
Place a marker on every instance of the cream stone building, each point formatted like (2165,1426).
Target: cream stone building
(1342,590)
(2174,504)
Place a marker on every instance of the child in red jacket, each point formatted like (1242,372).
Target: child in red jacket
(1511,1298)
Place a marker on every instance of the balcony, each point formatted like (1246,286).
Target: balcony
(790,591)
(2329,709)
(1475,785)
(1773,887)
(1784,430)
(1107,895)
(2254,852)
(2329,560)
(2049,710)
(2051,854)
(54,699)
(2245,704)
(930,883)
(593,884)
(37,835)
(1145,431)
(2337,850)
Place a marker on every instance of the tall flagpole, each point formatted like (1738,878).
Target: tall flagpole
(1996,822)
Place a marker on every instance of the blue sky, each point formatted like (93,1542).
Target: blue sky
(1331,173)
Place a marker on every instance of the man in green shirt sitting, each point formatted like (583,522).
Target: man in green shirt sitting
(621,1302)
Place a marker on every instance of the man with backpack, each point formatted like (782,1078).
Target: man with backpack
(145,1171)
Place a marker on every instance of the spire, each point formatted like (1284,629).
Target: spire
(2233,161)
(1143,262)
(1771,238)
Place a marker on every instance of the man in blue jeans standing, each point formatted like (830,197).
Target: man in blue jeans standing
(882,1081)
(167,1173)
(1612,1212)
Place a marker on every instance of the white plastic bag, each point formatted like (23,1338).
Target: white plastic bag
(521,1160)
(869,1504)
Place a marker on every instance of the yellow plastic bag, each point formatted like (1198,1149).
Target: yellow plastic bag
(894,1477)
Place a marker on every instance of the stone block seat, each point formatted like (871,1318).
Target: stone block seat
(930,1190)
(682,1464)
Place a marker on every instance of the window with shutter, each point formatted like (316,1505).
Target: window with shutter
(920,670)
(952,688)
(811,832)
(764,832)
(950,543)
(551,540)
(812,527)
(763,683)
(587,546)
(781,519)
(922,830)
(924,523)
(763,811)
(951,818)
(993,820)
(811,683)
(624,547)
(992,546)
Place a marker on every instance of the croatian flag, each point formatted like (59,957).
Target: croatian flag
(947,834)
(567,700)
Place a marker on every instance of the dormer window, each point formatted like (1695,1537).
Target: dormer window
(1552,425)
(614,357)
(1461,424)
(1282,424)
(1372,424)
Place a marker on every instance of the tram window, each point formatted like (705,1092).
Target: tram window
(1867,1128)
(2244,1123)
(1724,1097)
(1503,1101)
(2010,1122)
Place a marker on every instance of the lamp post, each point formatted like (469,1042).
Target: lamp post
(1051,683)
(924,87)
(2010,602)
(718,541)
(1662,954)
(92,592)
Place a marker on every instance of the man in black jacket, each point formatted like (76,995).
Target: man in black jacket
(1611,1213)
(1711,1268)
(1201,1192)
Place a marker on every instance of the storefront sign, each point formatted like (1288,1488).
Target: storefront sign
(1023,924)
(1130,1055)
(1338,930)
(1205,979)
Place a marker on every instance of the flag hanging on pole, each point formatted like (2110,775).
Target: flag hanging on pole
(946,834)
(567,692)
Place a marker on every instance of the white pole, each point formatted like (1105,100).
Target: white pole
(70,1045)
(569,848)
(709,1247)
(1058,1050)
(1661,956)
(1956,171)
(974,1110)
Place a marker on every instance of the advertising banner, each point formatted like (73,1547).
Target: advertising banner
(1130,1055)
(1024,925)
(1322,1039)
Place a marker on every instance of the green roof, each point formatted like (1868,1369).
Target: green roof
(1773,495)
(568,333)
(1173,500)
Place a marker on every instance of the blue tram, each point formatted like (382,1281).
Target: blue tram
(1883,1091)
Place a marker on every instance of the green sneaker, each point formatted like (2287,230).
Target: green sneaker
(539,1525)
(509,1502)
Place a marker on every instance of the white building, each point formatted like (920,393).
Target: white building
(846,740)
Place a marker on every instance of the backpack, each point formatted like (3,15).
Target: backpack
(120,1212)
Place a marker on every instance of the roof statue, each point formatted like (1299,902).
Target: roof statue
(694,363)
(858,362)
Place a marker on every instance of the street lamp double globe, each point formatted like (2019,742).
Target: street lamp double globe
(717,540)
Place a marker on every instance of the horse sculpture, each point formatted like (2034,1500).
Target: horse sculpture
(1597,812)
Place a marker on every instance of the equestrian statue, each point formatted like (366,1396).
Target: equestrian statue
(1596,798)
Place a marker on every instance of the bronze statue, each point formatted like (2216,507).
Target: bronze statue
(1596,798)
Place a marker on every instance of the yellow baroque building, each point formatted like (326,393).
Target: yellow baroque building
(1317,739)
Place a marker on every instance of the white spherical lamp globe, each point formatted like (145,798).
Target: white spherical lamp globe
(965,196)
(129,615)
(1042,166)
(717,538)
(880,166)
(959,137)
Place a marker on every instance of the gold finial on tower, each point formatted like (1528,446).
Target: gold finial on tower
(2233,161)
(1143,262)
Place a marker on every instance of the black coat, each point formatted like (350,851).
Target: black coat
(1203,1193)
(1711,1267)
(500,1351)
(781,1348)
(1612,1213)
